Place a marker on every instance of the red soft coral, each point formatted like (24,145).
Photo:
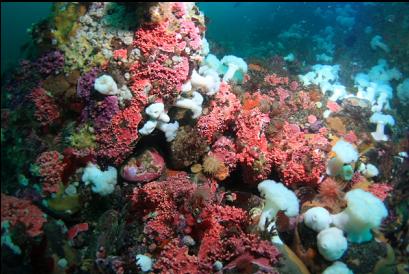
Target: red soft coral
(298,157)
(253,152)
(380,190)
(175,259)
(152,37)
(274,80)
(165,74)
(223,109)
(22,211)
(46,111)
(225,151)
(163,198)
(52,167)
(117,140)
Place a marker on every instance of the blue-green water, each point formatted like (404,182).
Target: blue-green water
(16,18)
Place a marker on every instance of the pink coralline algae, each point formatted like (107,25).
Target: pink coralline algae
(252,145)
(46,110)
(175,258)
(51,167)
(22,211)
(120,54)
(179,9)
(380,190)
(183,208)
(224,149)
(153,37)
(76,229)
(191,34)
(312,119)
(146,167)
(305,100)
(294,85)
(333,106)
(50,63)
(222,114)
(166,75)
(275,80)
(163,198)
(351,137)
(117,140)
(298,157)
(282,94)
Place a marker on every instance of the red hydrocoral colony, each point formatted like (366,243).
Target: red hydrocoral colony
(225,150)
(22,211)
(166,75)
(215,220)
(46,110)
(249,249)
(176,258)
(177,208)
(333,106)
(163,45)
(76,229)
(162,198)
(51,169)
(152,37)
(380,190)
(222,112)
(120,54)
(275,80)
(117,140)
(299,157)
(192,34)
(252,144)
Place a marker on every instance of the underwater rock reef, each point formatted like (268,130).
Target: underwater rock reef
(128,147)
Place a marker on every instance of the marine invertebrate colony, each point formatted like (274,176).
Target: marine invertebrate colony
(129,147)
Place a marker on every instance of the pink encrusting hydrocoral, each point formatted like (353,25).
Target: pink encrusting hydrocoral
(191,34)
(224,149)
(163,198)
(120,54)
(253,151)
(298,157)
(380,190)
(51,169)
(194,227)
(117,140)
(274,80)
(22,211)
(153,37)
(164,46)
(46,110)
(223,109)
(166,75)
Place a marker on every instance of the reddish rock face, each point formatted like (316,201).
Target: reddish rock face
(147,166)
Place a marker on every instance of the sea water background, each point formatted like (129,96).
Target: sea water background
(16,18)
(238,24)
(248,29)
